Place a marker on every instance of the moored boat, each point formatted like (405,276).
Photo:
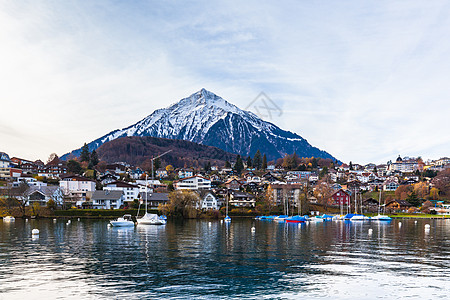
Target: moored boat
(295,219)
(151,219)
(9,218)
(126,220)
(281,218)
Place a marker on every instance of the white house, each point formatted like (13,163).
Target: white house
(78,189)
(192,183)
(130,191)
(108,199)
(207,200)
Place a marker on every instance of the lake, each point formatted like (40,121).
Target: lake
(209,260)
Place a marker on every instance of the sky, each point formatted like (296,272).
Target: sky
(363,80)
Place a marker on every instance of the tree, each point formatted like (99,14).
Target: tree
(442,182)
(402,192)
(249,162)
(73,167)
(421,189)
(85,155)
(269,198)
(207,167)
(169,169)
(350,166)
(264,162)
(323,172)
(227,164)
(182,203)
(156,164)
(375,170)
(434,194)
(53,159)
(257,160)
(239,165)
(94,158)
(413,199)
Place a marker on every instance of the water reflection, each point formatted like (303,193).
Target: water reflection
(87,259)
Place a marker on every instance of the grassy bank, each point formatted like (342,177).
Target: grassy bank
(98,213)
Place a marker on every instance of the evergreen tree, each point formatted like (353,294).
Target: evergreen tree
(375,170)
(413,199)
(227,164)
(249,162)
(351,166)
(94,158)
(73,167)
(207,167)
(257,161)
(85,155)
(156,164)
(239,165)
(314,163)
(264,162)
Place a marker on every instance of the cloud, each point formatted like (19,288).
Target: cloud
(365,81)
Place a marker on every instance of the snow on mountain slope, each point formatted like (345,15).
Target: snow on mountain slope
(206,118)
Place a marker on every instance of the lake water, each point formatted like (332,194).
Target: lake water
(207,260)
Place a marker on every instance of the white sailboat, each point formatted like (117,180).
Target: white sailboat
(380,217)
(149,219)
(227,218)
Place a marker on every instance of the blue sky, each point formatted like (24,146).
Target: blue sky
(363,80)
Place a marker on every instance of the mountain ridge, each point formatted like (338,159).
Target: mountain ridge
(208,119)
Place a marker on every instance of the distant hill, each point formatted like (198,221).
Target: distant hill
(207,119)
(138,151)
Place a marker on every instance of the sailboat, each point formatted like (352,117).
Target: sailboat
(227,218)
(380,217)
(149,219)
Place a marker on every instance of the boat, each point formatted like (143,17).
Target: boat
(381,217)
(295,219)
(9,218)
(151,219)
(281,218)
(126,220)
(316,219)
(358,217)
(227,218)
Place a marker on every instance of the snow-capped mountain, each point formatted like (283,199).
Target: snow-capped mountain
(206,118)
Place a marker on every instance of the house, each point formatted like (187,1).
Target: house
(161,173)
(370,205)
(53,170)
(183,173)
(108,199)
(42,194)
(283,192)
(130,191)
(391,184)
(398,205)
(116,168)
(136,173)
(207,200)
(339,197)
(5,163)
(242,199)
(108,178)
(192,183)
(154,199)
(77,189)
(233,184)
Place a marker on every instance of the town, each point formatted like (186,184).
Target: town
(250,186)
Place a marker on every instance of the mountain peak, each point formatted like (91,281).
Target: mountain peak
(208,119)
(207,99)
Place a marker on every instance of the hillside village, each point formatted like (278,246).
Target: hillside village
(251,185)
